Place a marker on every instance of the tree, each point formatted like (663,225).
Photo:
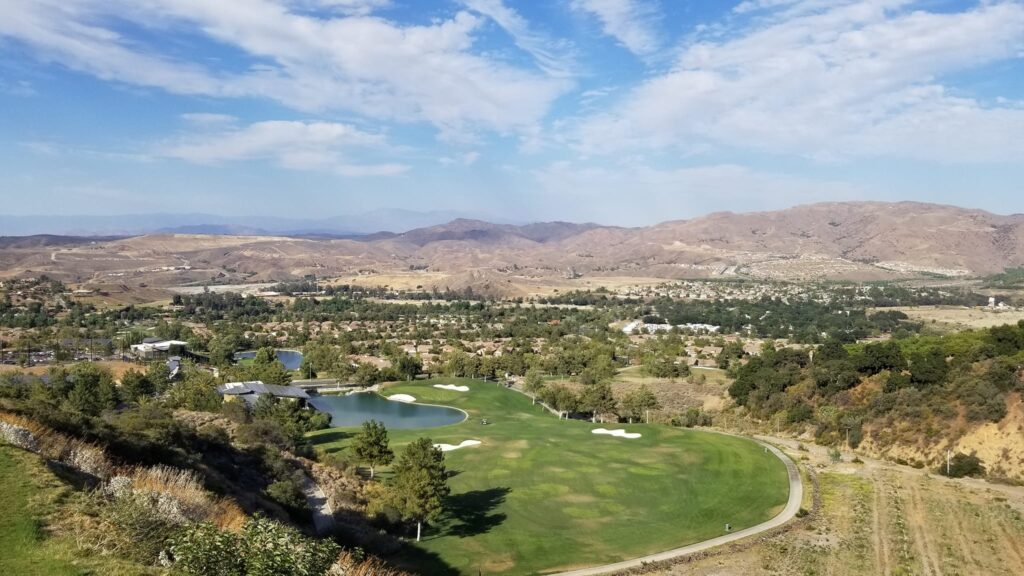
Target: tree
(420,484)
(92,389)
(197,391)
(371,445)
(135,385)
(367,375)
(533,383)
(598,400)
(928,367)
(561,399)
(409,366)
(265,355)
(637,403)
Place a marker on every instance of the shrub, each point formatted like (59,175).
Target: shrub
(271,549)
(961,465)
(203,549)
(264,548)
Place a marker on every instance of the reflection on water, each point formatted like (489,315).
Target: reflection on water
(291,359)
(354,409)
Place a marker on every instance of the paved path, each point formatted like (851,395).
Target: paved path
(323,516)
(796,494)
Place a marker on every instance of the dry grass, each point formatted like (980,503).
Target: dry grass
(960,317)
(887,521)
(116,367)
(53,445)
(349,565)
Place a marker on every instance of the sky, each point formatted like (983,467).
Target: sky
(625,112)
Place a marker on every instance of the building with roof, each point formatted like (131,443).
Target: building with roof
(251,391)
(153,347)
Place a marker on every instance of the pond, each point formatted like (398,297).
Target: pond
(292,359)
(354,409)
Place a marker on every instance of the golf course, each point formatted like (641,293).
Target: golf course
(543,495)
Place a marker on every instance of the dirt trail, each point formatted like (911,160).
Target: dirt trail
(878,540)
(917,519)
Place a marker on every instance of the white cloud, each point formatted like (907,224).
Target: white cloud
(467,159)
(553,56)
(634,193)
(633,23)
(348,7)
(855,79)
(362,64)
(208,119)
(296,145)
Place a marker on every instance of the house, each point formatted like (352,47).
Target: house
(251,391)
(151,347)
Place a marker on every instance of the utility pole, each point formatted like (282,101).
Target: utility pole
(948,461)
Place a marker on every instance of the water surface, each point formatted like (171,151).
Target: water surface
(292,359)
(354,409)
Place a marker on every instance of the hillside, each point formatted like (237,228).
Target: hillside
(854,240)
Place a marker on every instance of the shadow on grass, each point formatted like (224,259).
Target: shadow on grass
(420,561)
(471,513)
(332,436)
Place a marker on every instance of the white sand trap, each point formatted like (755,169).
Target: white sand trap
(618,433)
(450,447)
(402,398)
(452,387)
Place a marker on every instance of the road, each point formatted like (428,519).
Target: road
(796,494)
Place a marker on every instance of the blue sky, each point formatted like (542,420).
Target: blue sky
(616,111)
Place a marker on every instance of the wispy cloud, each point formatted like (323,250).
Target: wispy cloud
(322,146)
(467,159)
(554,56)
(633,23)
(21,88)
(208,119)
(857,79)
(366,65)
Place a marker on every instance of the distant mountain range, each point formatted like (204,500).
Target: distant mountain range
(397,220)
(852,240)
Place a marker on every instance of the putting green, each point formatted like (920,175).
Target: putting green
(542,494)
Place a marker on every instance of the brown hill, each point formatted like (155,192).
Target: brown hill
(853,240)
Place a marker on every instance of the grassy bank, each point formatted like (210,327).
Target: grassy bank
(30,494)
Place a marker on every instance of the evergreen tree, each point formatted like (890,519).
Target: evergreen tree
(371,445)
(420,484)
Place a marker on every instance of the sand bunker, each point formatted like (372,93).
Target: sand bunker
(450,447)
(452,387)
(402,398)
(618,433)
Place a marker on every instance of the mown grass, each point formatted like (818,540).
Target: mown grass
(542,494)
(29,493)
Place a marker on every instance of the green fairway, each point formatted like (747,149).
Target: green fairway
(542,494)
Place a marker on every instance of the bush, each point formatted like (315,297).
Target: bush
(203,549)
(271,549)
(961,465)
(264,548)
